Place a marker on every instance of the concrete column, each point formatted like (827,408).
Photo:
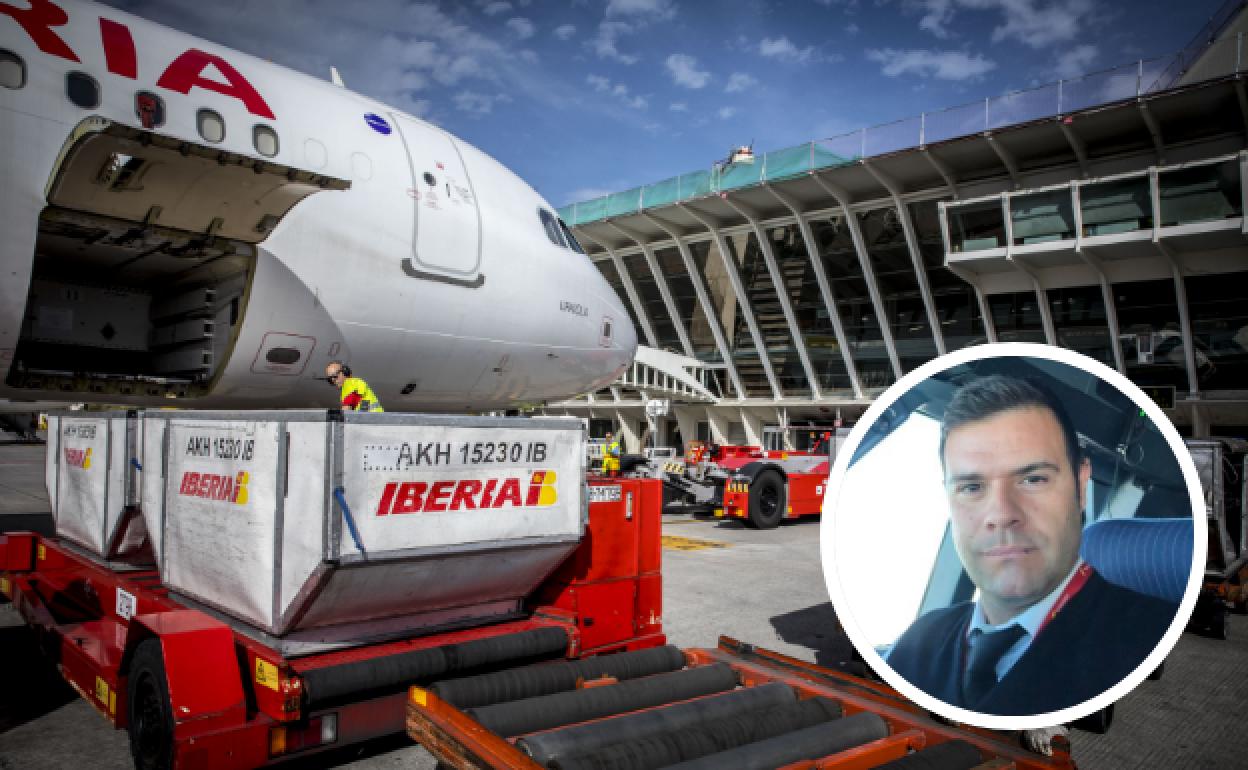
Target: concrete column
(743,300)
(753,427)
(719,424)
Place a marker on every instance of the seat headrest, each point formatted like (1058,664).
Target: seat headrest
(1149,556)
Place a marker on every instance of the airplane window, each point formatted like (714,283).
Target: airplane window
(12,70)
(265,140)
(552,227)
(82,90)
(567,236)
(211,125)
(150,109)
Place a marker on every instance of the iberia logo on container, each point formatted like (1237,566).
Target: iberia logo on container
(78,458)
(537,491)
(214,486)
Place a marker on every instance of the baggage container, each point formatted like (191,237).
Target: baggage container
(92,484)
(319,527)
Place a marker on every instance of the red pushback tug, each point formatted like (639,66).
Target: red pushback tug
(238,588)
(778,485)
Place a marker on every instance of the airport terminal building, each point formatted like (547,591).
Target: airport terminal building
(1104,214)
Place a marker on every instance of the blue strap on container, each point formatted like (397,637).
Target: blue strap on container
(138,466)
(341,497)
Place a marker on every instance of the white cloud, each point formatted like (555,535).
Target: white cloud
(945,65)
(564,31)
(521,27)
(493,9)
(852,29)
(1035,23)
(1077,61)
(783,49)
(473,103)
(726,112)
(678,107)
(604,43)
(684,71)
(652,10)
(618,90)
(739,81)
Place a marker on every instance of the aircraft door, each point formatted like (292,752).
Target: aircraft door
(446,244)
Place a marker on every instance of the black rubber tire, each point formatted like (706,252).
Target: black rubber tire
(150,712)
(768,500)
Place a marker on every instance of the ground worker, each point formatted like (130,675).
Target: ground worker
(356,395)
(611,457)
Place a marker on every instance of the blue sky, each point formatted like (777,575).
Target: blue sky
(586,97)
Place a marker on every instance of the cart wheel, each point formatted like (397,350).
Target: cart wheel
(767,500)
(150,713)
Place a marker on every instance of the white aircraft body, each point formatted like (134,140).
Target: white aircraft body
(183,223)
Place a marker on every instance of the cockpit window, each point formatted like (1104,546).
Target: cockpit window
(567,236)
(551,225)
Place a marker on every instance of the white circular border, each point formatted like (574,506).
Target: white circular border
(827,531)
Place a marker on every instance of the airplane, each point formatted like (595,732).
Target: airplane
(182,224)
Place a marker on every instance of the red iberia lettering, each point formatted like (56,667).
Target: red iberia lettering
(38,21)
(187,72)
(399,497)
(78,458)
(213,486)
(119,53)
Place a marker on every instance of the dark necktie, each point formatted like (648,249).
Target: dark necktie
(980,675)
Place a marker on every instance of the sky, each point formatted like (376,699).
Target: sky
(587,97)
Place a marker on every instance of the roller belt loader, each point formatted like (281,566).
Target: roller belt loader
(236,589)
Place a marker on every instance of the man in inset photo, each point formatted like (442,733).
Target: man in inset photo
(1045,632)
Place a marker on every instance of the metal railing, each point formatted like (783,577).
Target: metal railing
(1220,59)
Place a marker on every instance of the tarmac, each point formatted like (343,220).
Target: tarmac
(763,587)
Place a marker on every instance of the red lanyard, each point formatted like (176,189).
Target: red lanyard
(1076,583)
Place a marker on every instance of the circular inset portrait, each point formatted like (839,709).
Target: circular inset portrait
(1008,536)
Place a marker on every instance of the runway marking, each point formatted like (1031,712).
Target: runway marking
(678,543)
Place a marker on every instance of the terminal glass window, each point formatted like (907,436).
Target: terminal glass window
(652,302)
(1016,317)
(1200,194)
(685,298)
(885,239)
(976,226)
(745,358)
(1152,345)
(1081,323)
(810,310)
(853,302)
(1120,206)
(1219,329)
(763,297)
(957,308)
(1040,217)
(607,267)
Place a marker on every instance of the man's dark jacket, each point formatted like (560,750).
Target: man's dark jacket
(1102,634)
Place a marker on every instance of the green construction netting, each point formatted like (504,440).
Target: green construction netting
(663,193)
(779,164)
(627,202)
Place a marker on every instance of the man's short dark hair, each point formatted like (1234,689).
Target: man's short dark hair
(987,396)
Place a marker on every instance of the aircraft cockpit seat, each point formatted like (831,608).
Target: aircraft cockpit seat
(1150,556)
